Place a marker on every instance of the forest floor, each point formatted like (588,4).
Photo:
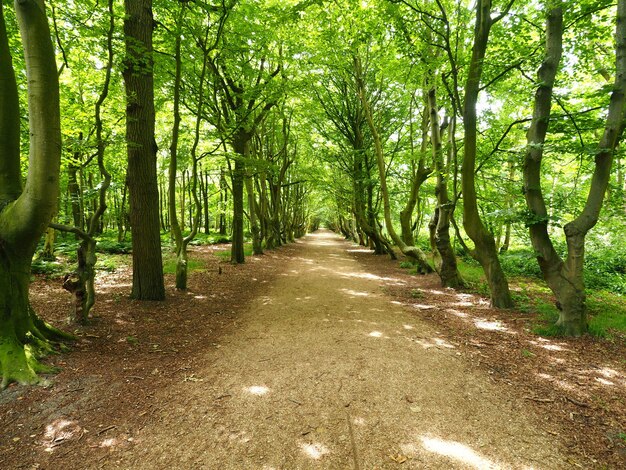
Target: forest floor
(315,355)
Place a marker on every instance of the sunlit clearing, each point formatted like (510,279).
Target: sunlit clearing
(356,293)
(608,373)
(458,452)
(376,334)
(315,451)
(372,277)
(546,345)
(423,306)
(463,303)
(489,325)
(257,390)
(408,327)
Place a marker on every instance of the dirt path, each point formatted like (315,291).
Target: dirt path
(325,371)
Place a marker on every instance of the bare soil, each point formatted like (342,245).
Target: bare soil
(316,355)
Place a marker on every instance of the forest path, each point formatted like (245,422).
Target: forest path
(325,371)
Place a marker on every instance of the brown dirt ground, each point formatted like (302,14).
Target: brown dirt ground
(316,355)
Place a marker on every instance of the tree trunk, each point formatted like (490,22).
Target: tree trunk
(205,199)
(485,246)
(24,215)
(176,227)
(142,176)
(240,145)
(223,202)
(257,247)
(420,174)
(448,272)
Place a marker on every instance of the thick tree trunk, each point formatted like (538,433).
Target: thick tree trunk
(24,215)
(142,176)
(485,246)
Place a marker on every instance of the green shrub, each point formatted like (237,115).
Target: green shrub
(113,247)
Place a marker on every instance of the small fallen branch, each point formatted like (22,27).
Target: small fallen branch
(576,402)
(108,428)
(540,400)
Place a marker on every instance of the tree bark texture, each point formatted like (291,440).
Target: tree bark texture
(25,214)
(142,176)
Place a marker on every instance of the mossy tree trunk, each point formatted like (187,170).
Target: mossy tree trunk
(420,174)
(25,212)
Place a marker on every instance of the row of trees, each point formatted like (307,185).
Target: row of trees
(257,119)
(428,67)
(192,82)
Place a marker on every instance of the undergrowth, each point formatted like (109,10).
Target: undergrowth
(606,310)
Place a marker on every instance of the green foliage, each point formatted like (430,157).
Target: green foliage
(520,262)
(113,246)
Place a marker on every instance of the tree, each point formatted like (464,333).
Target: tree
(142,173)
(449,273)
(485,246)
(565,276)
(25,212)
(412,252)
(243,94)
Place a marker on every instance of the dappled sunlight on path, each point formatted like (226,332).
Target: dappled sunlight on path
(324,370)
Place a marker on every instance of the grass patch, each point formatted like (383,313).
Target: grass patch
(406,265)
(607,313)
(225,254)
(606,310)
(169,265)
